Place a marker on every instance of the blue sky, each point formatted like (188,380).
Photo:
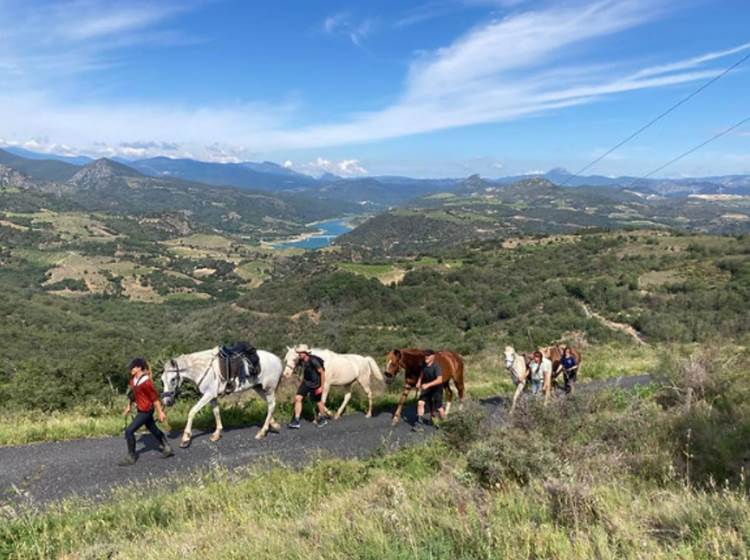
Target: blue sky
(410,87)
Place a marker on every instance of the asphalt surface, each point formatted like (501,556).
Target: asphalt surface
(43,473)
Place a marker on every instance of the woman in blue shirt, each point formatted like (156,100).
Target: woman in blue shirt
(569,367)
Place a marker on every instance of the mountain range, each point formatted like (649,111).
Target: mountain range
(374,192)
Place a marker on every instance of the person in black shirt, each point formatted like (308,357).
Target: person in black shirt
(431,384)
(313,379)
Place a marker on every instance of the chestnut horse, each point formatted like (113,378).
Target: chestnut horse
(411,361)
(555,353)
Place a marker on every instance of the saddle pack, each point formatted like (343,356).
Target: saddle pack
(238,362)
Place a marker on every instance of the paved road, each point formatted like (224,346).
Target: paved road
(42,473)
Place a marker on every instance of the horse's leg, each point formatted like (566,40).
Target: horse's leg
(365,383)
(187,434)
(404,395)
(324,398)
(347,396)
(216,436)
(275,426)
(271,402)
(448,397)
(517,394)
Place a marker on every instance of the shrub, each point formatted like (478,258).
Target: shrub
(462,429)
(510,455)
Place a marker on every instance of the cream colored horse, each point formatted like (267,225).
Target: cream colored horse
(202,368)
(342,370)
(516,365)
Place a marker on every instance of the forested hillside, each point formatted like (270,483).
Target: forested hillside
(669,288)
(479,210)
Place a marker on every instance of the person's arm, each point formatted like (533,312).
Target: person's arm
(128,407)
(160,413)
(322,372)
(148,387)
(419,380)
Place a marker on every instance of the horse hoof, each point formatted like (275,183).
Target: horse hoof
(184,444)
(215,437)
(394,421)
(368,415)
(260,435)
(337,416)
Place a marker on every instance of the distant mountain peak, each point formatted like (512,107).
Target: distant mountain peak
(10,178)
(558,171)
(535,182)
(101,170)
(474,183)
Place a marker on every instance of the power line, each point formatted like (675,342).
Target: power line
(691,150)
(657,119)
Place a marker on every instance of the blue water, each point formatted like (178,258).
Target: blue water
(331,229)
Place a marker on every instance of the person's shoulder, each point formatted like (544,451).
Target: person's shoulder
(316,361)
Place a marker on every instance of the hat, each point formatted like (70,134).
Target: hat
(429,352)
(138,363)
(302,348)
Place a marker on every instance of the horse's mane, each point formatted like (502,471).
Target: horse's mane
(189,360)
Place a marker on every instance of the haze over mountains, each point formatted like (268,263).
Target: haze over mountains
(377,191)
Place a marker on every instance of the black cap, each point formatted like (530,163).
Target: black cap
(137,363)
(429,352)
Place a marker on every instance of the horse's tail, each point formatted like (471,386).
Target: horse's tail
(374,369)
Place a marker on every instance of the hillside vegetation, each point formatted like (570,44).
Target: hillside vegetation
(671,289)
(479,210)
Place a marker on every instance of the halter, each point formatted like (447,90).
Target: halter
(173,394)
(178,371)
(295,367)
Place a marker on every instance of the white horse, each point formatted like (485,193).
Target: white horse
(519,372)
(342,370)
(202,368)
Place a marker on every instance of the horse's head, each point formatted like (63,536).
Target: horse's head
(170,380)
(291,361)
(510,356)
(393,365)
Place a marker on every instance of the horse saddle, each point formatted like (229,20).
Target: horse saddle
(238,361)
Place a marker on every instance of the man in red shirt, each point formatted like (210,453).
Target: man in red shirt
(143,394)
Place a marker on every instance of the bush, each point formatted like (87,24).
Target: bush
(511,456)
(462,429)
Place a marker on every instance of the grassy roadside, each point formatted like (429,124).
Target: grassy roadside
(618,475)
(486,377)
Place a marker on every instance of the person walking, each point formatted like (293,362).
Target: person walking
(540,369)
(143,395)
(313,380)
(569,367)
(431,384)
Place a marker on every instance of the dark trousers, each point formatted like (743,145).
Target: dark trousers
(143,419)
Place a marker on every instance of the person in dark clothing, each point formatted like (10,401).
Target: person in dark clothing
(313,380)
(142,393)
(431,385)
(569,368)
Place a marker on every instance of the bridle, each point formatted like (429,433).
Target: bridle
(173,394)
(292,368)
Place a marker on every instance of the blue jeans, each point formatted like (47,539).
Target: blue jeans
(536,386)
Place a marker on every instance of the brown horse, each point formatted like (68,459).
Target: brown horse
(411,361)
(555,353)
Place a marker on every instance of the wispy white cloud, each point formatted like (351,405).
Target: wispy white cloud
(343,168)
(356,31)
(505,69)
(41,42)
